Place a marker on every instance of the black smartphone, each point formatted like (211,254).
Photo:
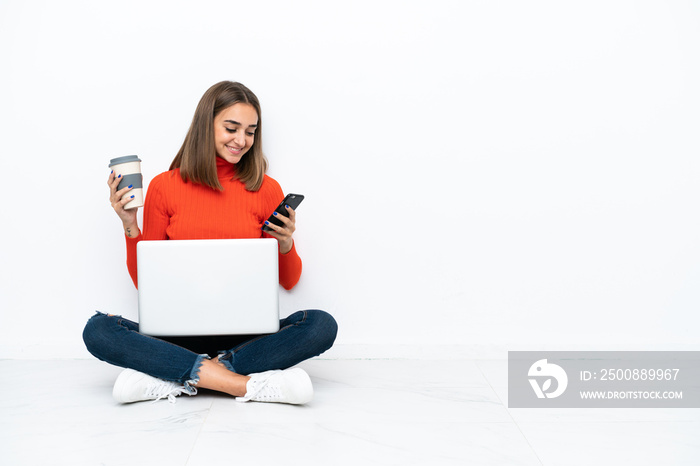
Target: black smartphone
(292,200)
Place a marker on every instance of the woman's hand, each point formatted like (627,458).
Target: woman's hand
(285,232)
(128,217)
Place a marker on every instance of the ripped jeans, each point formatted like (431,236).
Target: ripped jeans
(117,340)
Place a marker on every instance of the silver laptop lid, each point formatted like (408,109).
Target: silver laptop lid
(208,287)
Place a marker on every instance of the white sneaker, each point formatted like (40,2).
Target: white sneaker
(291,386)
(136,386)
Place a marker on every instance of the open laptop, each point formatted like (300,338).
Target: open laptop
(208,287)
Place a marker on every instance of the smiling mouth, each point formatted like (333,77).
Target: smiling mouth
(234,150)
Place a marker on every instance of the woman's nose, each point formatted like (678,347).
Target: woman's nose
(240,139)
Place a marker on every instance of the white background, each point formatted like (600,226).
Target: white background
(493,175)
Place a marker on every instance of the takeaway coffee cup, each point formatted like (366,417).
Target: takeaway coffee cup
(129,167)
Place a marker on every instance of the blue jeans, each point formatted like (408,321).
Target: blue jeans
(116,340)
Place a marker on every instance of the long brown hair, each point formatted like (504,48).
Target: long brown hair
(196,159)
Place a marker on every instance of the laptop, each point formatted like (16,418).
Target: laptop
(208,287)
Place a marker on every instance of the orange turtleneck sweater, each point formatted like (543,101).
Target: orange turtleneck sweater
(179,210)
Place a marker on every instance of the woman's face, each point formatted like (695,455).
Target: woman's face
(234,131)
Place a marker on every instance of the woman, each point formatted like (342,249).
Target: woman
(216,188)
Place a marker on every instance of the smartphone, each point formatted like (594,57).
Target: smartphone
(292,200)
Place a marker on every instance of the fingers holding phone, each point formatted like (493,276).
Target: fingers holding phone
(283,233)
(282,223)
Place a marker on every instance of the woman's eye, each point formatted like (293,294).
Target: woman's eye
(234,130)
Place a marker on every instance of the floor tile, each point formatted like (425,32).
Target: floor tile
(397,373)
(62,412)
(368,443)
(613,443)
(330,403)
(383,412)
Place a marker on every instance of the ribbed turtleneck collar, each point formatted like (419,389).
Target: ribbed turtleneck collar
(224,170)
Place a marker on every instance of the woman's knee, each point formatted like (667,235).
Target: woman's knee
(96,333)
(325,328)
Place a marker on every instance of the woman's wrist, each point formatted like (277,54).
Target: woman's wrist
(286,247)
(132,230)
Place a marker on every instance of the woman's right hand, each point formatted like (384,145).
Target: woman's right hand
(128,217)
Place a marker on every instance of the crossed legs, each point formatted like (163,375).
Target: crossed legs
(117,341)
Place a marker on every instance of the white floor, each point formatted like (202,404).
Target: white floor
(383,412)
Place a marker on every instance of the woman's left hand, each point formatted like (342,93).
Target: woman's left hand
(285,232)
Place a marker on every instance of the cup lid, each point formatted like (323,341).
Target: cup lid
(125,159)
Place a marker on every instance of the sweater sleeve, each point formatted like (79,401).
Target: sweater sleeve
(155,223)
(290,268)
